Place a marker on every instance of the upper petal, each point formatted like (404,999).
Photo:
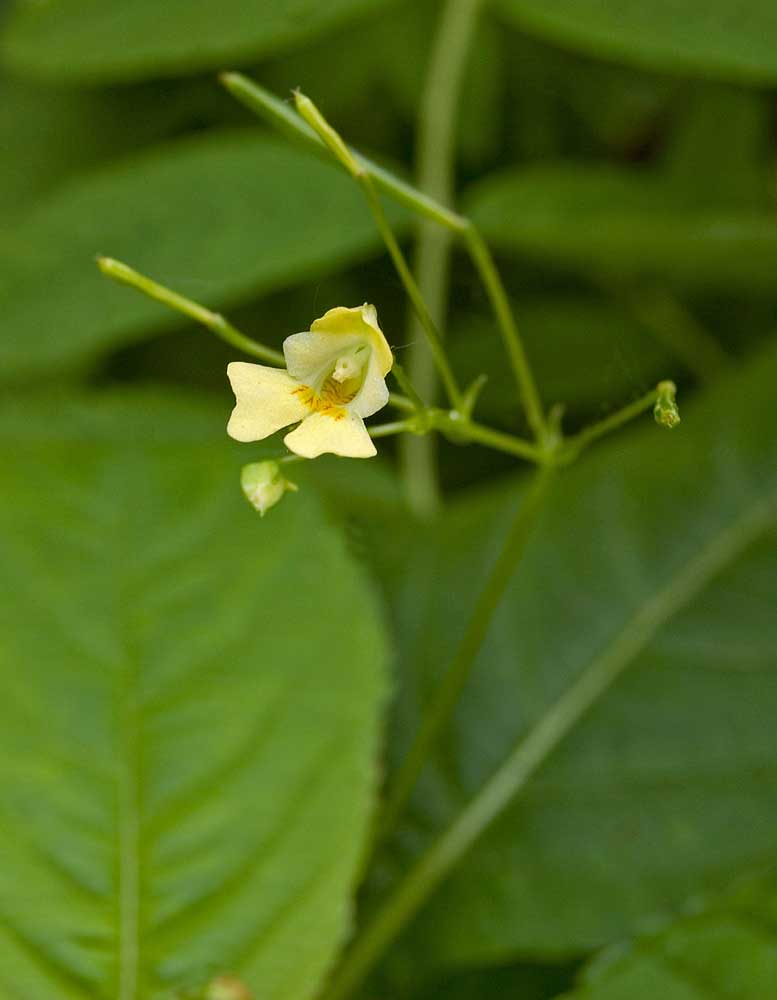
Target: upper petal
(322,433)
(311,355)
(362,320)
(266,401)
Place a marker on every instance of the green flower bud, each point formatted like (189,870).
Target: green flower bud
(228,987)
(665,411)
(326,133)
(263,485)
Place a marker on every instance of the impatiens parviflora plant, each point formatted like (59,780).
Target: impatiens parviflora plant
(328,380)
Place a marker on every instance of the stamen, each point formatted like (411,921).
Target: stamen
(345,368)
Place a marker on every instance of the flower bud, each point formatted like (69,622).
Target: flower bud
(326,133)
(227,987)
(264,484)
(665,411)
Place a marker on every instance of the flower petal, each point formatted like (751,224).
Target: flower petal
(266,401)
(311,356)
(363,321)
(373,394)
(321,433)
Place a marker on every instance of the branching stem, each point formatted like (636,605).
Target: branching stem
(267,106)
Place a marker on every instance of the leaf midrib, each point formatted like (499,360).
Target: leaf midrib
(129,838)
(130,748)
(596,679)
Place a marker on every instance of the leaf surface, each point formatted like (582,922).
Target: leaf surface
(658,549)
(728,951)
(221,219)
(614,223)
(715,38)
(189,720)
(90,41)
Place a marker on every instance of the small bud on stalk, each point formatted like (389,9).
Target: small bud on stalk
(227,988)
(665,411)
(264,484)
(326,133)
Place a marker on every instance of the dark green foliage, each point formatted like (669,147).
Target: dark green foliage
(192,697)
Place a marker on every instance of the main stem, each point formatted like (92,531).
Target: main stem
(435,176)
(445,697)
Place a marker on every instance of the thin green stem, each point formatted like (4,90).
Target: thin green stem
(489,274)
(436,145)
(347,159)
(442,420)
(400,402)
(278,114)
(414,293)
(215,322)
(391,427)
(533,750)
(574,445)
(407,386)
(488,436)
(438,712)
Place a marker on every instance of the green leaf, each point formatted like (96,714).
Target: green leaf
(220,218)
(728,951)
(190,710)
(46,134)
(719,146)
(661,544)
(625,224)
(702,37)
(89,40)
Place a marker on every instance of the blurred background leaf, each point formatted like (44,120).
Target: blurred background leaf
(727,951)
(89,40)
(565,336)
(611,223)
(634,812)
(622,159)
(712,38)
(184,703)
(220,218)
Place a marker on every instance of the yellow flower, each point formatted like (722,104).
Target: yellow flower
(334,378)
